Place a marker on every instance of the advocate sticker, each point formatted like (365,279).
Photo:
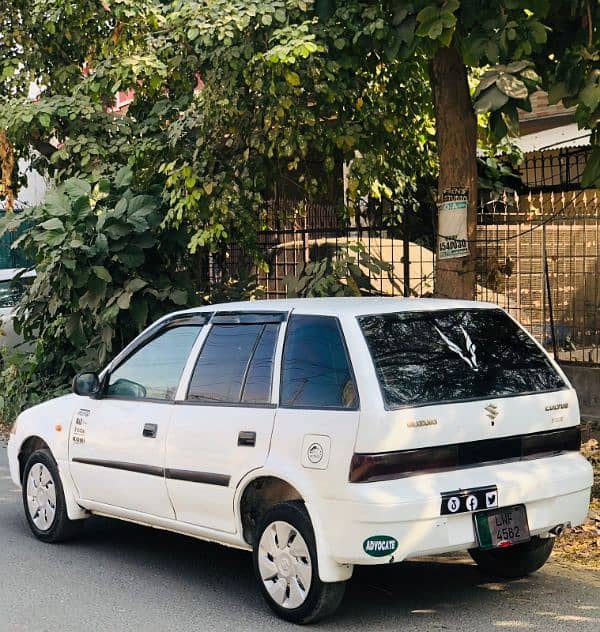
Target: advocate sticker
(380,545)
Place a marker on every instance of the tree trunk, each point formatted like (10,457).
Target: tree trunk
(456,128)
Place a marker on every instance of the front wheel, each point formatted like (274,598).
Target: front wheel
(515,561)
(44,500)
(285,562)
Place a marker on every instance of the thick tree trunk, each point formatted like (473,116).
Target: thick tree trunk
(456,127)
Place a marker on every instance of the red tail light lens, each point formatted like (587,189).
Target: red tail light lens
(365,468)
(379,467)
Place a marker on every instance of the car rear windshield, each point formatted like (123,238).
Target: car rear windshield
(443,356)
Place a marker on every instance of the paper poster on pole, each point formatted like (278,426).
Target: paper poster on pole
(452,224)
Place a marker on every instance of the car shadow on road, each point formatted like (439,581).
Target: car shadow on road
(445,592)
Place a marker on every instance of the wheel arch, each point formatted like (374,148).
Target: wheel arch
(27,448)
(257,497)
(280,488)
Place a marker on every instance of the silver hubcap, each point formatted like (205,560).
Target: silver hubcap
(41,496)
(284,564)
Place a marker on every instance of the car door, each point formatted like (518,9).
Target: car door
(117,443)
(222,428)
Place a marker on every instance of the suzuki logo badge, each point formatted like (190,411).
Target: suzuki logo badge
(492,412)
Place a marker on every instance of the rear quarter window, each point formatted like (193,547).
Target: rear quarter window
(443,356)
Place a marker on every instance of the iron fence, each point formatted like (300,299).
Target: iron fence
(539,258)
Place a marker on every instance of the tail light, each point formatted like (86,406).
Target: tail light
(382,466)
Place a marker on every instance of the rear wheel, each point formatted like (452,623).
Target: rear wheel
(44,500)
(285,562)
(515,561)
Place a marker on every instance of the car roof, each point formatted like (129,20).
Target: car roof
(338,306)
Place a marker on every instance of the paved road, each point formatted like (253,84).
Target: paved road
(121,577)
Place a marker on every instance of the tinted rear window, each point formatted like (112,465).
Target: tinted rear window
(431,357)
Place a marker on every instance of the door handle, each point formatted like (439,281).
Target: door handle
(150,430)
(247,438)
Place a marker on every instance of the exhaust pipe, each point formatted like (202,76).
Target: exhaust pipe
(557,531)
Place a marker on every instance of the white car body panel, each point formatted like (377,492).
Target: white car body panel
(203,438)
(195,446)
(112,431)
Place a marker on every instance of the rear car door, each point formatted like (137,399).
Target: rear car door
(222,428)
(117,443)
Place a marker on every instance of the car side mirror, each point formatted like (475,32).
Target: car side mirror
(86,384)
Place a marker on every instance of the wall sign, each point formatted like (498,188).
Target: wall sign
(452,224)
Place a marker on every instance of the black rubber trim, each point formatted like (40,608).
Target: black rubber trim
(365,468)
(210,478)
(248,318)
(152,470)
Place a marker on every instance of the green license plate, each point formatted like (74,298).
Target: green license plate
(501,527)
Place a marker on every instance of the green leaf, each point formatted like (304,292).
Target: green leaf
(179,297)
(517,66)
(557,92)
(124,177)
(143,205)
(590,96)
(115,231)
(488,79)
(124,300)
(511,86)
(74,330)
(52,224)
(325,9)
(193,33)
(429,14)
(120,207)
(267,19)
(102,273)
(132,259)
(280,15)
(292,78)
(57,204)
(591,174)
(490,100)
(135,284)
(107,335)
(76,188)
(139,311)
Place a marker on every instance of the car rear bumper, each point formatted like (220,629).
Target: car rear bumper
(555,490)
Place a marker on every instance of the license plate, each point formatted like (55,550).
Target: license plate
(501,527)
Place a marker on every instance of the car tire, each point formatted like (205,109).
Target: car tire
(44,500)
(285,563)
(515,561)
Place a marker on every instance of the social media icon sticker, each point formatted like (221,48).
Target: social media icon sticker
(491,499)
(453,504)
(471,502)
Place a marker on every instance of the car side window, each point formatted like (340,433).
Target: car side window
(315,370)
(235,365)
(154,371)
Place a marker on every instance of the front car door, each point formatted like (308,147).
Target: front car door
(117,443)
(222,428)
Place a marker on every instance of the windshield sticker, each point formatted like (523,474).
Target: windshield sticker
(469,353)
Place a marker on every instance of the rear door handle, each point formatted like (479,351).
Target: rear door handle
(150,430)
(247,438)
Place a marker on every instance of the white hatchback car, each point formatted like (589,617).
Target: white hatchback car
(320,434)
